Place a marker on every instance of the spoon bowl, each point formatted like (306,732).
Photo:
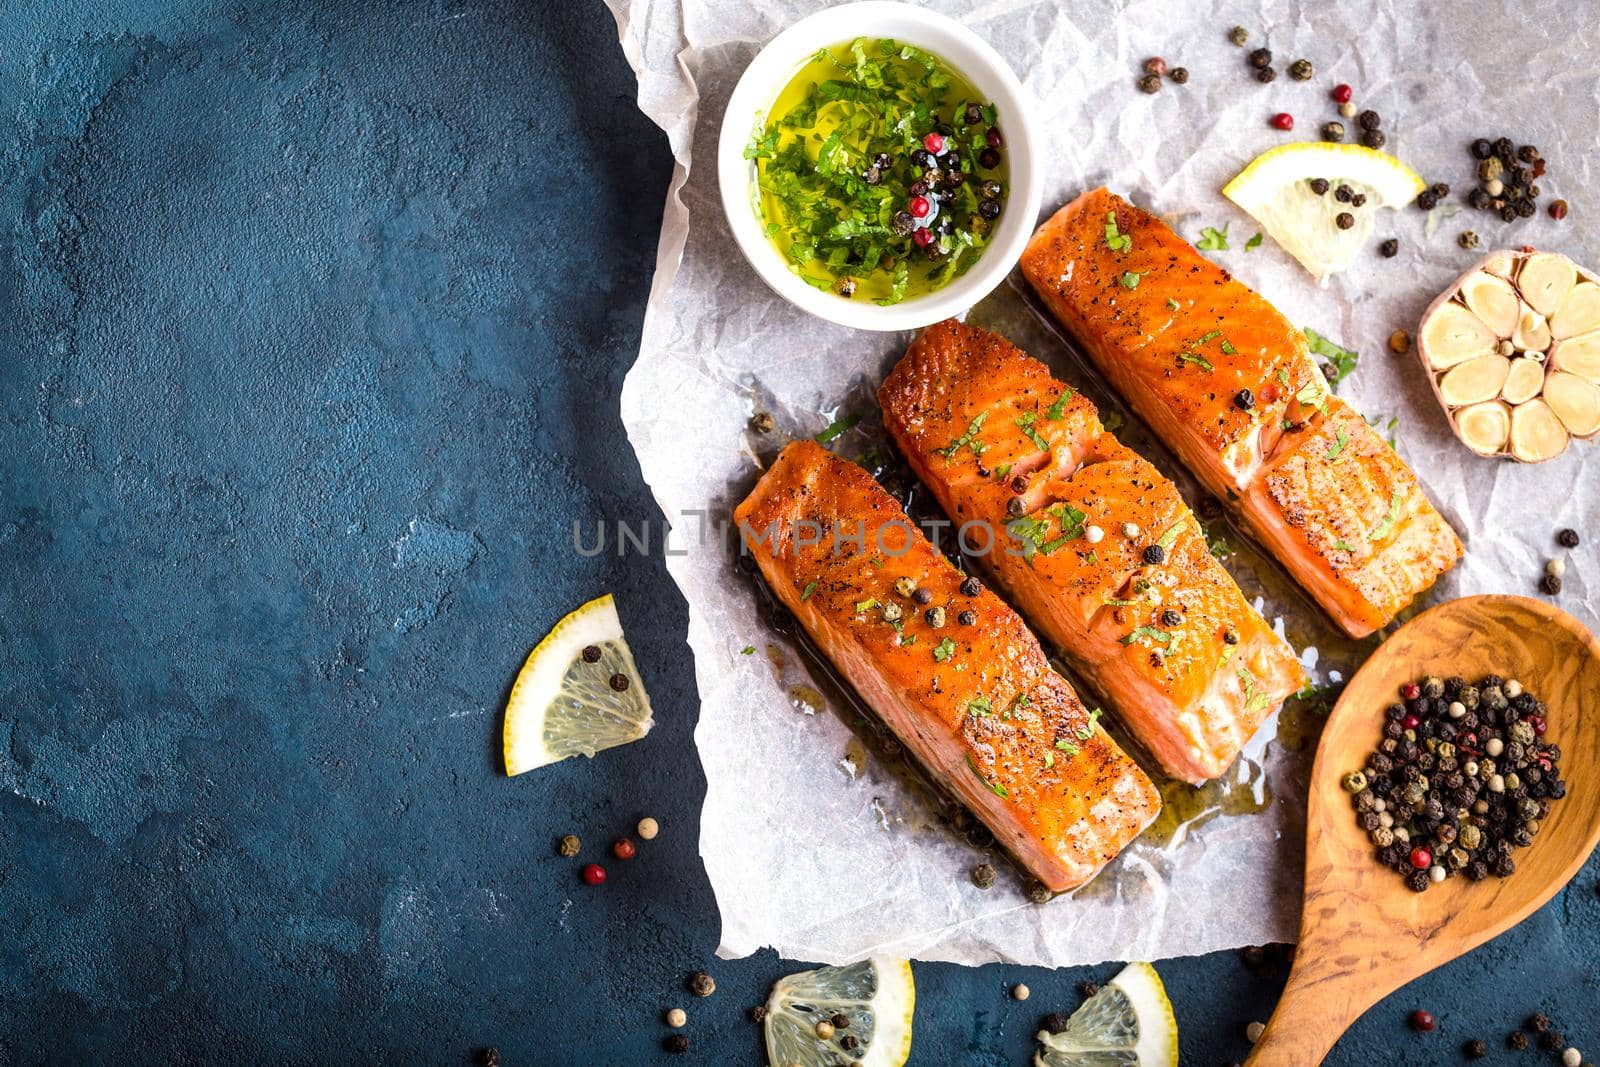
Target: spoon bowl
(1363,933)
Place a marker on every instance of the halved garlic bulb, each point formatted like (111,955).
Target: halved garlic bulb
(1536,433)
(1524,381)
(1484,427)
(1575,401)
(1512,349)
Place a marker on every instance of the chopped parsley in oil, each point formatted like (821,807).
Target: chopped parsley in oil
(979,706)
(1166,539)
(1342,360)
(1382,530)
(967,440)
(1344,546)
(1117,242)
(1254,242)
(837,427)
(1340,440)
(811,587)
(1059,408)
(1199,361)
(833,167)
(1171,303)
(1159,636)
(944,650)
(1129,279)
(1025,422)
(748,650)
(1213,240)
(994,787)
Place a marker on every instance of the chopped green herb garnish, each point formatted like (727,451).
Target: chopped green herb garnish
(867,604)
(1253,701)
(1059,408)
(1018,702)
(967,440)
(1026,421)
(811,587)
(748,650)
(979,706)
(1171,303)
(837,427)
(1311,395)
(1389,427)
(1343,360)
(1344,546)
(1227,347)
(1117,242)
(1113,602)
(1086,731)
(994,787)
(1340,440)
(1283,376)
(944,650)
(1049,760)
(1254,242)
(1112,420)
(1199,361)
(1002,471)
(1129,279)
(1068,747)
(1166,539)
(1383,528)
(908,640)
(1159,636)
(1213,240)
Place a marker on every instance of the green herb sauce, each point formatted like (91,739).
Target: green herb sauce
(828,205)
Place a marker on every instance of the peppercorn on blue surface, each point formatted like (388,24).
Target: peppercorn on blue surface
(313,317)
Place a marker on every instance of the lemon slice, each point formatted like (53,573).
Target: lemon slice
(578,693)
(877,997)
(1127,1023)
(1276,190)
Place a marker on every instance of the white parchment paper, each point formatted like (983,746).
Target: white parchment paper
(816,848)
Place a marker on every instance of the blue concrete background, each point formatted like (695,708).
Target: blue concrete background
(313,317)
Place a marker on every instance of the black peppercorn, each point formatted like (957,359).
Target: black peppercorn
(1358,199)
(1053,1023)
(1440,189)
(989,209)
(1551,1040)
(968,618)
(619,682)
(1155,554)
(1319,186)
(1266,74)
(970,586)
(1482,149)
(1150,83)
(849,1042)
(1230,637)
(972,115)
(677,1043)
(1527,153)
(1567,538)
(1374,138)
(1333,131)
(1478,199)
(1550,584)
(1343,194)
(488,1057)
(1508,213)
(1369,119)
(1179,75)
(1389,248)
(1261,58)
(1244,400)
(757,1014)
(1170,618)
(988,159)
(1426,200)
(1344,220)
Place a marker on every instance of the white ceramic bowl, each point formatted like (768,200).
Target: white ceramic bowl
(946,38)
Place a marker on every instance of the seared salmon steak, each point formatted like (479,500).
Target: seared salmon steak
(1232,387)
(950,669)
(1092,543)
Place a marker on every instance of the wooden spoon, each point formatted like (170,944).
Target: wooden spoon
(1363,934)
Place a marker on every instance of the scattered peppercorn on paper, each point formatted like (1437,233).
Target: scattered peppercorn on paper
(813,844)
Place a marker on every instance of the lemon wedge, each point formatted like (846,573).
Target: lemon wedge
(1129,1022)
(876,996)
(578,693)
(1275,189)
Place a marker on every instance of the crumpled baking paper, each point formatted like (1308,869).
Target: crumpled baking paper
(813,845)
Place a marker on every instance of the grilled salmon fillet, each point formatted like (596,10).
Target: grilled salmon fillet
(1232,387)
(947,665)
(1092,543)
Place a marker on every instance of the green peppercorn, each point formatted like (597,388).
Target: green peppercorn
(983,876)
(1300,70)
(1239,35)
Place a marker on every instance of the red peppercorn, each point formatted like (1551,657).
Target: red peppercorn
(1411,692)
(593,873)
(922,238)
(623,848)
(934,143)
(1342,94)
(1422,1020)
(1538,724)
(1283,121)
(1410,722)
(919,207)
(1421,858)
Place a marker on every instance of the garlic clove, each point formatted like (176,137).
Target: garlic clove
(1536,433)
(1475,380)
(1452,335)
(1578,355)
(1579,311)
(1501,263)
(1532,332)
(1545,278)
(1575,401)
(1494,301)
(1523,382)
(1484,427)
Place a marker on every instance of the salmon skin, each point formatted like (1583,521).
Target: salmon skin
(1232,387)
(1093,544)
(950,669)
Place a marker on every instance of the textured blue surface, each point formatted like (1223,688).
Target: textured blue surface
(313,317)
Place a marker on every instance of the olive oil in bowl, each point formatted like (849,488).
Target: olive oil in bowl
(879,171)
